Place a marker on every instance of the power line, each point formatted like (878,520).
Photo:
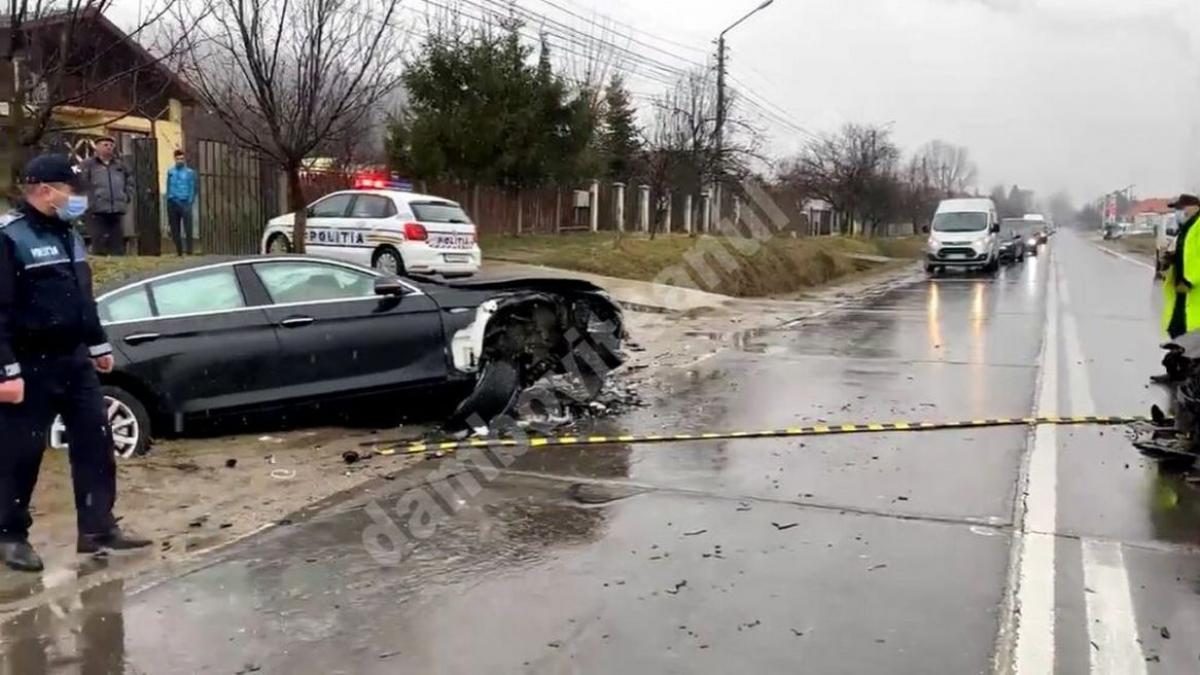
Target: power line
(634,29)
(632,39)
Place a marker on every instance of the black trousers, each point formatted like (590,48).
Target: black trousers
(179,217)
(67,386)
(1178,324)
(107,232)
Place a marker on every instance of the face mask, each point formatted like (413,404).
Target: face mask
(74,207)
(1181,217)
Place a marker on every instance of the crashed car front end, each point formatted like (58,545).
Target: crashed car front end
(509,335)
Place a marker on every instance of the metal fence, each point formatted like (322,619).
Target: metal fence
(238,193)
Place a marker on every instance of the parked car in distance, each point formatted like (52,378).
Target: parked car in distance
(385,227)
(963,235)
(1013,233)
(279,332)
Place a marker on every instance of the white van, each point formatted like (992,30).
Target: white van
(964,234)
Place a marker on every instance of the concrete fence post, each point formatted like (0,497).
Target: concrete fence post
(667,222)
(594,206)
(619,206)
(687,213)
(644,208)
(705,211)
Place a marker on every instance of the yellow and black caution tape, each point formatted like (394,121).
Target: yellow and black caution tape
(792,432)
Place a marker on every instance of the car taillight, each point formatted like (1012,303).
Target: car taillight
(415,232)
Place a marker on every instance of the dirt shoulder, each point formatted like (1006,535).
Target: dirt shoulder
(1140,245)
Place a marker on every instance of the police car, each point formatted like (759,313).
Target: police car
(382,224)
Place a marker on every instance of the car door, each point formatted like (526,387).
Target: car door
(375,217)
(338,337)
(194,339)
(327,225)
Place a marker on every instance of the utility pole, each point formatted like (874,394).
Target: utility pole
(719,131)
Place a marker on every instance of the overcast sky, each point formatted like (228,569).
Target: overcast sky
(1082,95)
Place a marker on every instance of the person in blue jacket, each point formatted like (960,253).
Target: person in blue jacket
(181,194)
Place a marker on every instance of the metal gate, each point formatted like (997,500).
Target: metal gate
(238,194)
(147,222)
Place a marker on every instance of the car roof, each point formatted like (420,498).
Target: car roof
(189,264)
(400,195)
(971,205)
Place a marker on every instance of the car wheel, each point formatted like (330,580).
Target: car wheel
(278,243)
(128,419)
(932,270)
(992,267)
(388,260)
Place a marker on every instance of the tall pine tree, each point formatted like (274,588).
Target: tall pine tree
(621,137)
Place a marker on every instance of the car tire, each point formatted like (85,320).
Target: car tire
(128,418)
(933,270)
(992,267)
(278,244)
(388,260)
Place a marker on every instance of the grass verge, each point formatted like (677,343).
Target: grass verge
(769,267)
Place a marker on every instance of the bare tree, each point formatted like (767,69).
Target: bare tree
(949,167)
(854,170)
(289,77)
(62,53)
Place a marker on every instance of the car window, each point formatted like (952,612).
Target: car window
(438,212)
(210,290)
(313,282)
(372,206)
(128,305)
(332,207)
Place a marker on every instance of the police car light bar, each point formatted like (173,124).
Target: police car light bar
(376,182)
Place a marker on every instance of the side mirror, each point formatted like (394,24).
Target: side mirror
(310,212)
(995,228)
(925,229)
(390,286)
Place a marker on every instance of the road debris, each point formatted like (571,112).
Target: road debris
(230,463)
(678,586)
(694,533)
(784,527)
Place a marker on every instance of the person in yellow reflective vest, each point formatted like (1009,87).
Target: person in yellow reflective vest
(1181,311)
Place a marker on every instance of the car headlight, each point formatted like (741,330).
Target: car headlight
(933,243)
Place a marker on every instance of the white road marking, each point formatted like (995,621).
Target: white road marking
(1122,256)
(1034,606)
(1112,627)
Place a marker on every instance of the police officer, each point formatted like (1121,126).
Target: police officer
(1181,313)
(51,347)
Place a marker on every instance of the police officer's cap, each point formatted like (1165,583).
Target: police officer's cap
(1184,200)
(50,169)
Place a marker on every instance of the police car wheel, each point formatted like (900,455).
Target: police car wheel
(279,244)
(388,261)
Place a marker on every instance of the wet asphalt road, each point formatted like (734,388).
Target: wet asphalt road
(892,553)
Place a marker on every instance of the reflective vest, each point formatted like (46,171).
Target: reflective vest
(1191,270)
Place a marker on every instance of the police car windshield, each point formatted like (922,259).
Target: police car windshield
(439,212)
(960,222)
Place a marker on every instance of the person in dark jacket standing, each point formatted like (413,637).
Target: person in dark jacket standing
(110,192)
(51,347)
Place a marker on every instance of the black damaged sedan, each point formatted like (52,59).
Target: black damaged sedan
(262,333)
